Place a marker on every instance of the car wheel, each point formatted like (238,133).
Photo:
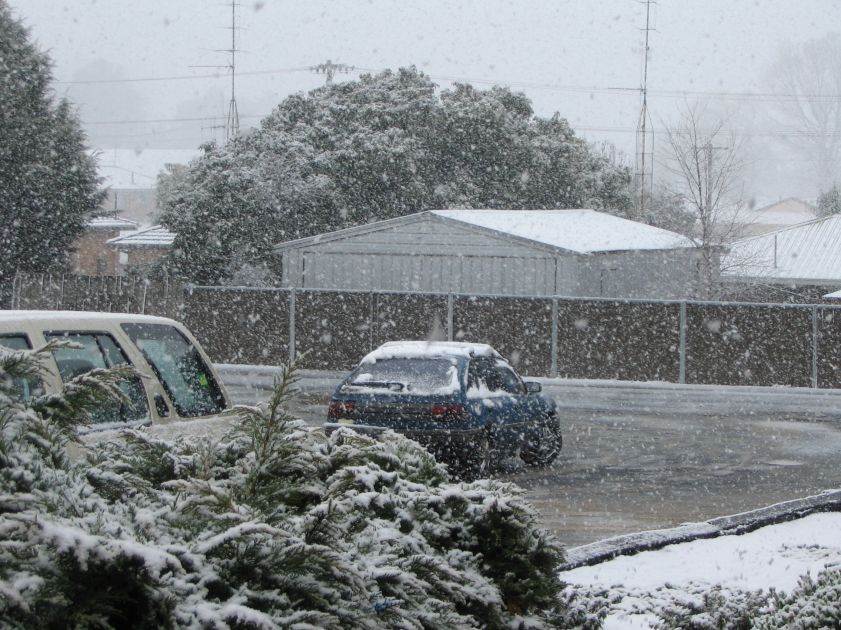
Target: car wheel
(545,443)
(476,463)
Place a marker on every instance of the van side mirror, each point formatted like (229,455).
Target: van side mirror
(533,387)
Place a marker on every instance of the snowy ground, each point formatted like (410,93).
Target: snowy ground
(771,557)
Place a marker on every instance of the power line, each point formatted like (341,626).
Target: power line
(185,77)
(583,89)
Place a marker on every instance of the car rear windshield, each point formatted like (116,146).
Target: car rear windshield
(406,376)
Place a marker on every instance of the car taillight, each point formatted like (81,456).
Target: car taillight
(339,408)
(448,411)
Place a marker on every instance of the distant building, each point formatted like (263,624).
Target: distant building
(800,263)
(139,250)
(776,216)
(499,252)
(90,255)
(131,178)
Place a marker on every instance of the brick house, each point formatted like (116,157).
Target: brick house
(90,255)
(138,251)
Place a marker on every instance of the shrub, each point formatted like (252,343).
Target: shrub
(275,525)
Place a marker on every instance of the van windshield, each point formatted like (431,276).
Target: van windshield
(186,377)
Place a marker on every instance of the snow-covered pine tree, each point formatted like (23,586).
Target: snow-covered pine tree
(829,202)
(276,525)
(48,183)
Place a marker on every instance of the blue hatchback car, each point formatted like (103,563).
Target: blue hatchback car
(462,401)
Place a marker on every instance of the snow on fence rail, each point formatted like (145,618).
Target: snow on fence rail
(675,341)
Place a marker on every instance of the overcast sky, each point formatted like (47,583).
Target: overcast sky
(582,58)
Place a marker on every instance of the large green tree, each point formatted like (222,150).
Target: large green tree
(48,183)
(384,146)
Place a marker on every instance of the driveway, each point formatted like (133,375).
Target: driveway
(643,456)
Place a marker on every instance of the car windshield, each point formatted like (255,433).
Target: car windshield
(407,376)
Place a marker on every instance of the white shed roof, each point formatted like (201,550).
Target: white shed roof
(580,230)
(155,236)
(810,251)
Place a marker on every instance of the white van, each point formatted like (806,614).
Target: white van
(176,380)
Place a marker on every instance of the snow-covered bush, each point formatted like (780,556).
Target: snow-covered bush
(274,526)
(814,604)
(712,609)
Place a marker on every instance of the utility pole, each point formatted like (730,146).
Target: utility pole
(330,69)
(645,155)
(232,125)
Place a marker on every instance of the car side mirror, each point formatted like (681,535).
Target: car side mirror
(533,387)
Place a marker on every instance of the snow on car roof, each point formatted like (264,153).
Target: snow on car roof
(424,349)
(77,316)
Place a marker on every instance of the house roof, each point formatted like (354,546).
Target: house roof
(155,236)
(786,211)
(580,231)
(835,295)
(111,223)
(809,251)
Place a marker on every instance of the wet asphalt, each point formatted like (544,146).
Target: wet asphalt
(649,456)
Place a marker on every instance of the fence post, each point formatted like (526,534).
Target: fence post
(371,314)
(814,347)
(17,282)
(450,316)
(553,369)
(292,348)
(682,344)
(143,299)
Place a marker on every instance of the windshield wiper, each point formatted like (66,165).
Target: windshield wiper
(394,386)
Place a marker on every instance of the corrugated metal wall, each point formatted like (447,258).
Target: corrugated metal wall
(429,256)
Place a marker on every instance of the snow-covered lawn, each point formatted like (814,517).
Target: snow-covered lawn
(771,557)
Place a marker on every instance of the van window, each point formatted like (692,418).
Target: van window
(186,377)
(20,388)
(100,350)
(15,342)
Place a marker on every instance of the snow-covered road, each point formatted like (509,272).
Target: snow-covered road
(643,456)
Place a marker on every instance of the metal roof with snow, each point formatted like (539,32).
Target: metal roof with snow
(580,231)
(111,223)
(807,252)
(155,236)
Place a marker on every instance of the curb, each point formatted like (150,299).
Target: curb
(735,524)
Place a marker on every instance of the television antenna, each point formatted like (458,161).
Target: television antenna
(232,122)
(644,163)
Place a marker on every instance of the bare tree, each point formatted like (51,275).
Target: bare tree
(806,82)
(706,163)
